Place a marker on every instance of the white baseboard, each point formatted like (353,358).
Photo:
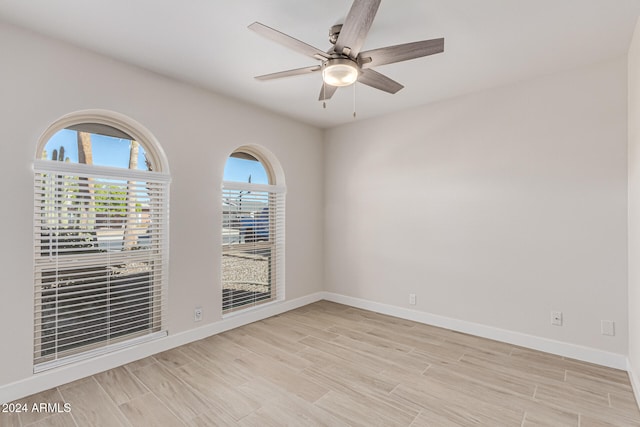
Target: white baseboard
(65,374)
(573,351)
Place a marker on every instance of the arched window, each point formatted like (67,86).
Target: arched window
(252,230)
(100,230)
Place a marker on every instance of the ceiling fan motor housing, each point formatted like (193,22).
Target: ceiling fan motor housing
(334,32)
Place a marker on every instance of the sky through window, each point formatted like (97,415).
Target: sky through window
(106,150)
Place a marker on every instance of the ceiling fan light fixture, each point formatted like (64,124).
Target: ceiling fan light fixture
(339,72)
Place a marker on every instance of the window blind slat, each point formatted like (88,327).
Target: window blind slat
(100,251)
(253,245)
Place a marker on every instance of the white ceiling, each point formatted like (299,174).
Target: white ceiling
(206,42)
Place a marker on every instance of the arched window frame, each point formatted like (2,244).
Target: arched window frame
(266,244)
(116,120)
(55,265)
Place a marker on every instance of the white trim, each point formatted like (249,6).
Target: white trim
(233,185)
(65,374)
(269,161)
(635,381)
(574,351)
(93,171)
(111,118)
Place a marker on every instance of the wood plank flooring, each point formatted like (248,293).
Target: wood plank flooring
(331,365)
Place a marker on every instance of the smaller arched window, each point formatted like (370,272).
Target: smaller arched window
(100,236)
(252,231)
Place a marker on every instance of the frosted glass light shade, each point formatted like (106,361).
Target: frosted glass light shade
(339,72)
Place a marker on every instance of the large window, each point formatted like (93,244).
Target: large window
(100,229)
(252,232)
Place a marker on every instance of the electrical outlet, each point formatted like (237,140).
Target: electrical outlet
(556,318)
(412,299)
(197,314)
(607,327)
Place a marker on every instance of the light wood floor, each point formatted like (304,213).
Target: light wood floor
(329,364)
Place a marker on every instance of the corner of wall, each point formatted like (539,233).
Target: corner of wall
(633,362)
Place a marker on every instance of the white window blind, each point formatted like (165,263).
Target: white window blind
(252,245)
(101,246)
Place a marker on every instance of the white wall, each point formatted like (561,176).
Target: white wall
(42,80)
(634,209)
(494,208)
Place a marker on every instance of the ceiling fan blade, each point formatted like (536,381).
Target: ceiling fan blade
(327,91)
(288,41)
(379,81)
(401,52)
(356,27)
(289,73)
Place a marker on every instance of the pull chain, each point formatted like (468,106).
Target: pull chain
(324,94)
(354,100)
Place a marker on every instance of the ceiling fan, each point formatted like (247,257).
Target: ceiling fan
(344,64)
